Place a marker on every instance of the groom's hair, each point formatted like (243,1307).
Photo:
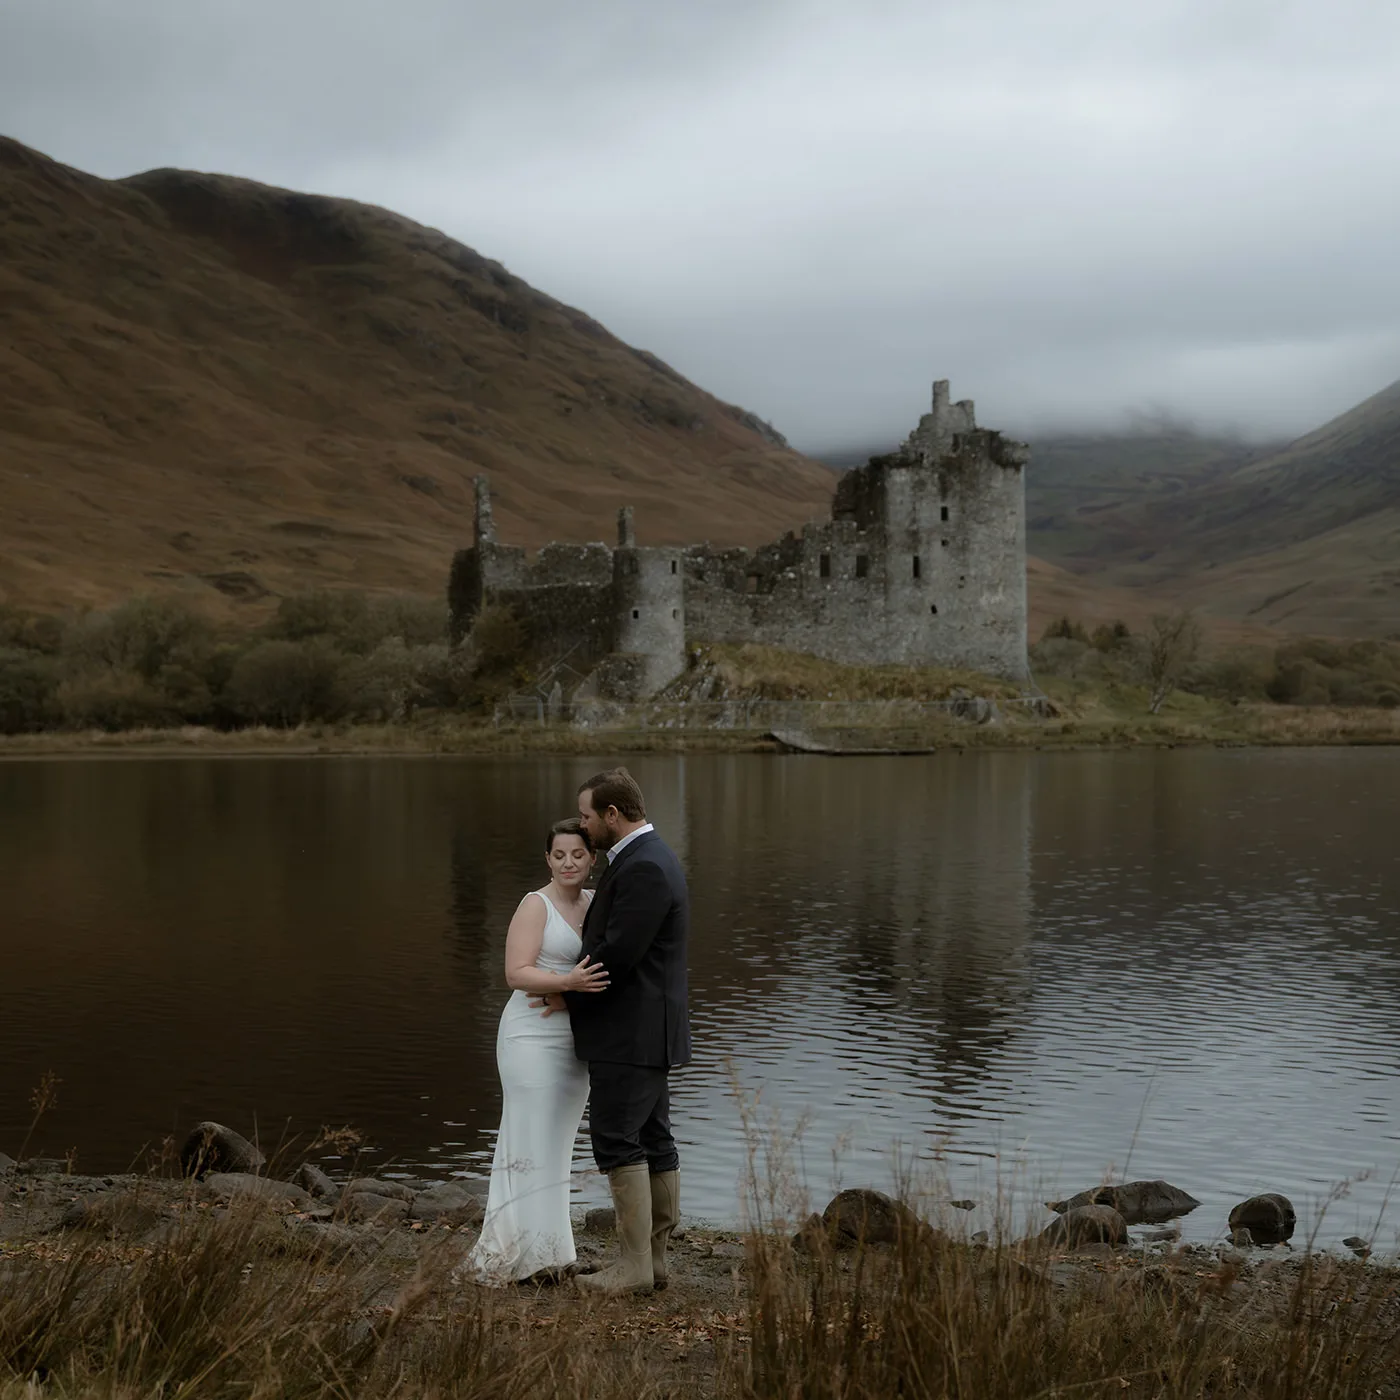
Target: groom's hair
(616,788)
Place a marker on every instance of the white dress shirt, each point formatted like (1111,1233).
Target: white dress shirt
(631,836)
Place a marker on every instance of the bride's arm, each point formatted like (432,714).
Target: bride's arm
(524,939)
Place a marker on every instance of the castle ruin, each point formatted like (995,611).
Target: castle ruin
(922,563)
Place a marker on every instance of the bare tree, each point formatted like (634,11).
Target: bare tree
(1172,644)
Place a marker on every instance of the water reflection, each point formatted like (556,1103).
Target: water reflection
(1182,964)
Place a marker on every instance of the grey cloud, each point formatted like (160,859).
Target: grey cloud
(1076,209)
(293,84)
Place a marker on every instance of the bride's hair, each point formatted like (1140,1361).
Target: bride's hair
(570,826)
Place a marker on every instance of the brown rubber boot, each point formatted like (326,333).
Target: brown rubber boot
(631,1193)
(665,1216)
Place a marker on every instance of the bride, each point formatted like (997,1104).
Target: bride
(544,1086)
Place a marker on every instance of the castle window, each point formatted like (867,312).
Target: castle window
(675,613)
(633,565)
(636,613)
(933,608)
(824,566)
(862,565)
(673,566)
(945,544)
(916,566)
(751,583)
(943,514)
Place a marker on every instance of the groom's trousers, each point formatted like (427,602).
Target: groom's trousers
(629,1117)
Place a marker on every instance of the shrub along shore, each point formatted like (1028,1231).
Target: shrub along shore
(345,672)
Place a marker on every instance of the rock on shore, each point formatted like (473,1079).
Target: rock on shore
(225,1186)
(1087,1224)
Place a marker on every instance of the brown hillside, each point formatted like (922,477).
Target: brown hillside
(1305,537)
(236,391)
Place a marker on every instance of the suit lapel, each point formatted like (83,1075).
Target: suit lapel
(608,874)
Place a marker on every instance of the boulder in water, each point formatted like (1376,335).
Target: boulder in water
(1138,1202)
(211,1147)
(1270,1218)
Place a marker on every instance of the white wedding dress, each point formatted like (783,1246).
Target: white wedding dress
(544,1090)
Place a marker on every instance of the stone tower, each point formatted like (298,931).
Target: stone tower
(952,513)
(649,594)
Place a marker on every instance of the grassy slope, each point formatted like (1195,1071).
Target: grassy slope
(226,389)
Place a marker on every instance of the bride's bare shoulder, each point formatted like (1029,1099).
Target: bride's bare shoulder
(534,904)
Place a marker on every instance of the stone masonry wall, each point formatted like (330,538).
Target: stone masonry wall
(923,562)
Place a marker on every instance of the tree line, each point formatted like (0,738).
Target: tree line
(1171,654)
(323,656)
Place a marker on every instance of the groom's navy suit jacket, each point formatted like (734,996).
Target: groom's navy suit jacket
(637,926)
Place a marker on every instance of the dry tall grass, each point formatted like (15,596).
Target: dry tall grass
(233,1308)
(934,1318)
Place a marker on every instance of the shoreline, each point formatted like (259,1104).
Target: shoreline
(554,743)
(133,753)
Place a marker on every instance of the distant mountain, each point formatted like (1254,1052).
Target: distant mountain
(1077,477)
(1343,472)
(1305,537)
(214,386)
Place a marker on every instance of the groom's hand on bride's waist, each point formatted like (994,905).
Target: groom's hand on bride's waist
(548,1003)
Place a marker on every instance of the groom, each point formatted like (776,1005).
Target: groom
(633,1033)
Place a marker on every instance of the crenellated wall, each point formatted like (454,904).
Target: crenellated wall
(923,562)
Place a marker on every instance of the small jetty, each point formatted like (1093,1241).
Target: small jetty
(795,741)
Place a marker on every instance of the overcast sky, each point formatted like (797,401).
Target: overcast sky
(1077,210)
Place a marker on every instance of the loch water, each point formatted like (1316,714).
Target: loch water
(1000,976)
